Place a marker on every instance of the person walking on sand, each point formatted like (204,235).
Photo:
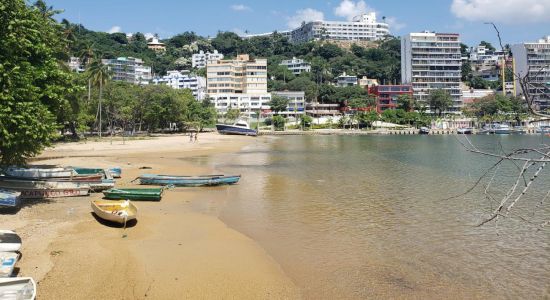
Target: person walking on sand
(190,137)
(196,136)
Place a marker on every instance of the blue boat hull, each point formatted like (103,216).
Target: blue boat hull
(230,129)
(9,199)
(188,181)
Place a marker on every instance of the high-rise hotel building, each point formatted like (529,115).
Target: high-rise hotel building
(431,61)
(239,83)
(533,60)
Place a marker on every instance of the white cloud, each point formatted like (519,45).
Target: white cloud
(505,11)
(395,25)
(240,7)
(304,15)
(349,9)
(114,29)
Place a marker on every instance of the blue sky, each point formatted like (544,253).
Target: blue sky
(518,20)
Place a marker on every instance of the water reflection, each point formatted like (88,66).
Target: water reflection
(356,217)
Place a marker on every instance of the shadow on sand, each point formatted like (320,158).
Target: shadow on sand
(129,224)
(23,204)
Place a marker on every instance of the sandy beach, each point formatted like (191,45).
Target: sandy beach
(172,252)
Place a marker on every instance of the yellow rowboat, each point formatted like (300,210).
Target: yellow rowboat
(115,211)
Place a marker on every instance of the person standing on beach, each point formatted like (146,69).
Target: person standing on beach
(196,136)
(190,137)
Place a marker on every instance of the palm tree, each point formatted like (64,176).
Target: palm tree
(99,74)
(86,56)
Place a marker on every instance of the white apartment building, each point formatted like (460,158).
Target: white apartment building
(129,69)
(183,80)
(201,59)
(432,61)
(239,83)
(533,60)
(296,104)
(364,27)
(297,66)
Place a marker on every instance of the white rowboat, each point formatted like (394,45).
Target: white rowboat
(20,288)
(115,211)
(39,173)
(7,263)
(9,241)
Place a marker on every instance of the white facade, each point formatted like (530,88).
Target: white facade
(129,69)
(346,80)
(297,66)
(246,103)
(296,104)
(363,28)
(533,60)
(239,83)
(182,80)
(201,59)
(76,65)
(432,61)
(471,95)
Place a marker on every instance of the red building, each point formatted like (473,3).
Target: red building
(386,95)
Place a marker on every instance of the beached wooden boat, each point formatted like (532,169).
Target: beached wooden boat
(105,184)
(7,263)
(38,189)
(39,173)
(9,241)
(204,180)
(134,194)
(9,198)
(109,173)
(19,288)
(115,211)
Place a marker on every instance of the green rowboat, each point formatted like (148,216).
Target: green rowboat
(134,194)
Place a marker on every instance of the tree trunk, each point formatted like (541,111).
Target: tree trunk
(100,95)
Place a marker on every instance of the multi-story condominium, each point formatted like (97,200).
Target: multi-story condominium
(155,45)
(346,80)
(76,65)
(387,95)
(485,62)
(297,102)
(183,80)
(201,59)
(471,95)
(239,83)
(533,60)
(129,69)
(297,66)
(431,61)
(364,27)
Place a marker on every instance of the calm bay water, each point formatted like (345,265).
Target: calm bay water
(366,217)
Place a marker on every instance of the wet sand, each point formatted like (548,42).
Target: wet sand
(173,251)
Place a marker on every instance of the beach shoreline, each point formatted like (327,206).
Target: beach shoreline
(173,251)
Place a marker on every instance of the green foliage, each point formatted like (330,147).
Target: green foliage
(34,87)
(497,107)
(278,122)
(232,114)
(306,121)
(278,103)
(466,71)
(405,102)
(303,83)
(440,100)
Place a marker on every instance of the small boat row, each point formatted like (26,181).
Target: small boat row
(204,180)
(37,183)
(23,288)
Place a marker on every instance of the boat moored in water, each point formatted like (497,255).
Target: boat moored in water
(466,130)
(424,130)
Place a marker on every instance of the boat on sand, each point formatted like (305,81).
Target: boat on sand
(39,189)
(18,288)
(7,263)
(115,211)
(203,180)
(9,241)
(134,194)
(9,198)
